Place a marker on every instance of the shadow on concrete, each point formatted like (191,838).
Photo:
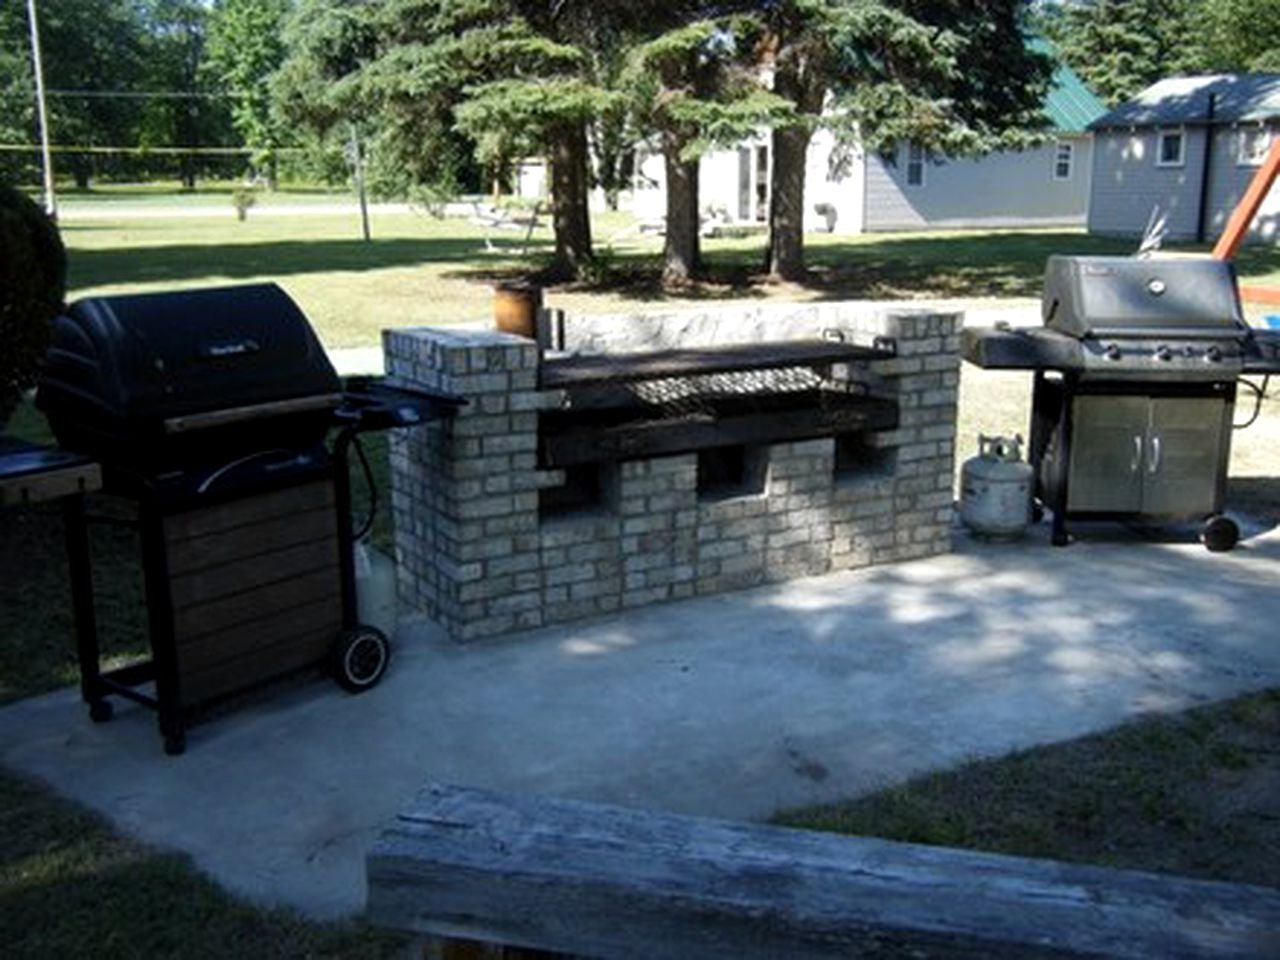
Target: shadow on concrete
(734,705)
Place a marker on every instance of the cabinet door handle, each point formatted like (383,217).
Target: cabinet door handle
(1137,453)
(1155,455)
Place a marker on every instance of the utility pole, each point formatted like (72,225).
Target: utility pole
(50,202)
(357,164)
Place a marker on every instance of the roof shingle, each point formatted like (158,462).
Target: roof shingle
(1185,100)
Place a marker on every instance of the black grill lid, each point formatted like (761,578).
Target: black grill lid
(1128,296)
(207,370)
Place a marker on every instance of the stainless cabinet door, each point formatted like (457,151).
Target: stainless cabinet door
(1184,455)
(1108,441)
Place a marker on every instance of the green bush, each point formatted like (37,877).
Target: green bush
(33,282)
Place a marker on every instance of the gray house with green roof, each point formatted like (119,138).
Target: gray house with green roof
(908,188)
(1186,147)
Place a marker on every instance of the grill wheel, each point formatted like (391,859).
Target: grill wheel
(359,659)
(1219,534)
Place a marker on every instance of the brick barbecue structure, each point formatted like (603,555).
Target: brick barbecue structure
(494,535)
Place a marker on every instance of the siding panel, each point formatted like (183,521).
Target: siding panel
(1127,184)
(1011,188)
(1229,183)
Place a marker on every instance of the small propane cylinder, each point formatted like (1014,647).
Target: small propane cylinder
(375,589)
(995,489)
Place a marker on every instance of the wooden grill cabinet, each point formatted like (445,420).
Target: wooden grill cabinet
(209,411)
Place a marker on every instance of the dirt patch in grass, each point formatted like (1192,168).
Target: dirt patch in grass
(1196,794)
(70,887)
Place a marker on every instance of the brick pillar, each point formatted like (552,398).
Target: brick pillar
(465,491)
(903,509)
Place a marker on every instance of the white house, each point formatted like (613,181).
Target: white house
(1186,147)
(907,189)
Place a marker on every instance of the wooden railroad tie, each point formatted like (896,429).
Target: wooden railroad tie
(593,880)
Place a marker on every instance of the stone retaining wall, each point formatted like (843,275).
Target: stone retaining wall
(476,553)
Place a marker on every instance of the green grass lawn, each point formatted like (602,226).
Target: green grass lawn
(69,886)
(1191,794)
(419,270)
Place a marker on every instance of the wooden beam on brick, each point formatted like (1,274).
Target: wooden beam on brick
(594,880)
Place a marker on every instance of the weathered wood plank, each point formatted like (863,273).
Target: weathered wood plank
(263,663)
(659,364)
(605,881)
(247,511)
(257,602)
(202,586)
(323,615)
(237,544)
(563,446)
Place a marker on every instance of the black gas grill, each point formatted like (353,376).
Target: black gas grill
(209,411)
(1135,383)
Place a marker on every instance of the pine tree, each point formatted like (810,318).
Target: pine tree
(445,80)
(1239,35)
(1118,47)
(696,88)
(245,49)
(955,76)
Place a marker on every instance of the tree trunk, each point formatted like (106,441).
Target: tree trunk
(570,193)
(786,203)
(681,256)
(795,80)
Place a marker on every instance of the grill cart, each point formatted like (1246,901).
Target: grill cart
(1135,385)
(208,411)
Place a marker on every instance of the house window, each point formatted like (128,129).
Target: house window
(1252,144)
(1063,160)
(1169,148)
(915,165)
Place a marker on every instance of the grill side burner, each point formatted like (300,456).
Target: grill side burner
(1135,384)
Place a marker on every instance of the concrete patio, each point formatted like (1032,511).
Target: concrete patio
(730,706)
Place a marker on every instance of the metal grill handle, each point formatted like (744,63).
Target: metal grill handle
(1155,455)
(1137,453)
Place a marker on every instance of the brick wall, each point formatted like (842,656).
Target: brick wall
(476,553)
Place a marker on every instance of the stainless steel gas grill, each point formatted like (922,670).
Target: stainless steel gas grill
(209,411)
(1135,384)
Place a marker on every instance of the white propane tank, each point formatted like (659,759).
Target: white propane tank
(375,589)
(995,489)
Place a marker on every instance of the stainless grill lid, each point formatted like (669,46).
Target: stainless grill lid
(1142,298)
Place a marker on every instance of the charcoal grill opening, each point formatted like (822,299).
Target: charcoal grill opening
(728,472)
(859,460)
(587,490)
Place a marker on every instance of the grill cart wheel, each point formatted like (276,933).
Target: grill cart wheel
(100,711)
(360,658)
(1219,534)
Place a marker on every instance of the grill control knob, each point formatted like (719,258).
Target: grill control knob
(1112,352)
(1164,354)
(1213,354)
